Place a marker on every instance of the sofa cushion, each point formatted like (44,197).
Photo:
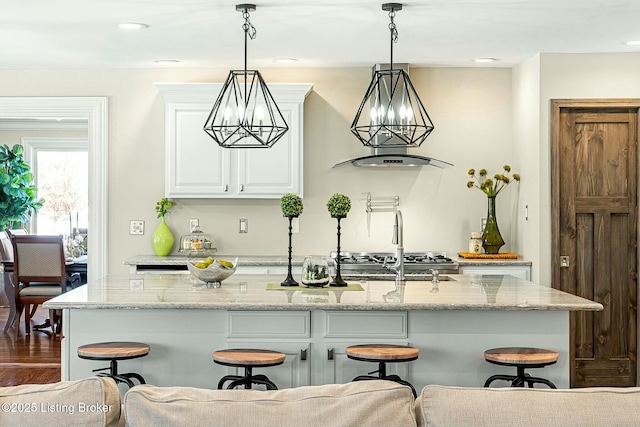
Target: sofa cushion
(366,403)
(92,401)
(439,406)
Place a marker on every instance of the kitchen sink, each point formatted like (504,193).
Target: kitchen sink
(391,277)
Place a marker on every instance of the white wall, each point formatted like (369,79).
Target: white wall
(526,146)
(471,110)
(567,76)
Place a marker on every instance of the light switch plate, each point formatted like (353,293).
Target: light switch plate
(244,225)
(136,226)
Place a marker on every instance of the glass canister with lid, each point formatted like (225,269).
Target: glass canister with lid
(475,242)
(197,242)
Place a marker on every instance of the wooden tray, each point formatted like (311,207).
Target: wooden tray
(471,255)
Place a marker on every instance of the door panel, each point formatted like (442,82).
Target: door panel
(594,210)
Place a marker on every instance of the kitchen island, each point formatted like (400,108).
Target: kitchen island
(184,321)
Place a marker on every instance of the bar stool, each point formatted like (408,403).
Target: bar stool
(247,358)
(112,352)
(383,353)
(522,358)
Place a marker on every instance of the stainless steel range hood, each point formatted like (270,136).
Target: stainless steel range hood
(393,157)
(386,152)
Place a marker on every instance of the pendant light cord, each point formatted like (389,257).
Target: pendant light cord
(394,35)
(249,33)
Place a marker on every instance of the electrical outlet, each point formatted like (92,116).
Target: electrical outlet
(244,225)
(136,284)
(193,224)
(136,227)
(295,225)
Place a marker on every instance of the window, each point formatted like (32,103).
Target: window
(61,174)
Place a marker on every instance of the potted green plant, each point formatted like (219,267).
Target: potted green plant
(338,206)
(162,236)
(18,199)
(291,206)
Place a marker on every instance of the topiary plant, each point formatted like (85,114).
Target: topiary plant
(339,205)
(291,205)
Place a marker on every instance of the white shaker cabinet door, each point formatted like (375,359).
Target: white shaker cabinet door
(274,171)
(196,165)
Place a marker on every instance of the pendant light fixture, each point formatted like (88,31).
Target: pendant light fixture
(245,114)
(391,113)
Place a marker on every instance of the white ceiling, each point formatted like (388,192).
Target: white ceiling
(65,34)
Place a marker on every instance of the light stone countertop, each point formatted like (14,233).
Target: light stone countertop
(248,292)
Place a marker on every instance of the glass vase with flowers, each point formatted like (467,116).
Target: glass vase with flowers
(492,240)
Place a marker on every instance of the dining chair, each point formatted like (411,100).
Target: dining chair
(39,271)
(6,253)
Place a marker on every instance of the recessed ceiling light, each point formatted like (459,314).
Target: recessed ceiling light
(633,43)
(166,61)
(485,60)
(286,60)
(132,26)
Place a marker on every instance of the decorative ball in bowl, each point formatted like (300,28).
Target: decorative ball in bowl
(213,271)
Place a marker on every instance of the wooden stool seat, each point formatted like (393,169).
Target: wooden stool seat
(248,358)
(522,358)
(383,354)
(380,352)
(114,351)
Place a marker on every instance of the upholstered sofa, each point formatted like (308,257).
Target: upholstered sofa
(96,402)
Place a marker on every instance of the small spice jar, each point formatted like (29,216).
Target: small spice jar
(475,242)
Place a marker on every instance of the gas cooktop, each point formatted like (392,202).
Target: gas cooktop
(376,262)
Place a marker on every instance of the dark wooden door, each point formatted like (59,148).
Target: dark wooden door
(594,216)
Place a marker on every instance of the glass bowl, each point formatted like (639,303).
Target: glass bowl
(215,272)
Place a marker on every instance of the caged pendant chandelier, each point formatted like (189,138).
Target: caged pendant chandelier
(245,114)
(396,116)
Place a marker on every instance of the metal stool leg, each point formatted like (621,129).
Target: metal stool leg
(382,375)
(227,378)
(520,379)
(498,377)
(247,380)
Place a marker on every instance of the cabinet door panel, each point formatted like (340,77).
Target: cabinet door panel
(295,371)
(521,272)
(274,171)
(341,369)
(197,165)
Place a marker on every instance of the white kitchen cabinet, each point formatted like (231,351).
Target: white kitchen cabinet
(197,167)
(520,271)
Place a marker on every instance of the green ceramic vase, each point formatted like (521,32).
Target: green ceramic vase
(162,239)
(491,239)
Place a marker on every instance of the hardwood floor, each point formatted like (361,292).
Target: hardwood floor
(29,360)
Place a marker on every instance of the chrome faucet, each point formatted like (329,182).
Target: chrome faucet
(398,267)
(435,279)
